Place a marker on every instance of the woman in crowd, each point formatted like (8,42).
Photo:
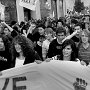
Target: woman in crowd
(39,37)
(32,29)
(84,48)
(7,32)
(49,34)
(5,53)
(68,52)
(67,27)
(23,51)
(14,30)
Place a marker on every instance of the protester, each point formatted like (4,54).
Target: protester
(40,42)
(75,36)
(14,30)
(22,23)
(84,47)
(39,37)
(72,24)
(68,52)
(23,51)
(56,45)
(30,32)
(49,34)
(60,23)
(5,53)
(7,33)
(67,27)
(78,28)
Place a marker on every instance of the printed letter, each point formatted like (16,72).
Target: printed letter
(17,79)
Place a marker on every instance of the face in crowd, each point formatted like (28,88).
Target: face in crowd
(33,26)
(49,33)
(59,24)
(41,30)
(18,48)
(78,28)
(60,36)
(84,37)
(67,51)
(6,31)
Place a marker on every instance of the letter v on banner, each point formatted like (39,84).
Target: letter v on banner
(30,4)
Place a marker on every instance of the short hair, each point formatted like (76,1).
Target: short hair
(6,41)
(22,23)
(13,23)
(41,25)
(78,24)
(67,25)
(7,28)
(74,21)
(60,30)
(60,21)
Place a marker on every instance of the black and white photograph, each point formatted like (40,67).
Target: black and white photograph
(44,44)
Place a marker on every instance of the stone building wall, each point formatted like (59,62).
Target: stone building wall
(10,10)
(11,13)
(44,11)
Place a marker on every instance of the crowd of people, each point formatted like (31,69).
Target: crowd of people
(44,40)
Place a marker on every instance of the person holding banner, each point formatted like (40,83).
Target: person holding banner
(69,51)
(23,51)
(84,47)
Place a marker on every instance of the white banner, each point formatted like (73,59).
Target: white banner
(30,4)
(54,75)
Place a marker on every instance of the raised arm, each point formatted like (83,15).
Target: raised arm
(11,29)
(70,36)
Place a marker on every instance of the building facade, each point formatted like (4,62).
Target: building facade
(9,7)
(13,11)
